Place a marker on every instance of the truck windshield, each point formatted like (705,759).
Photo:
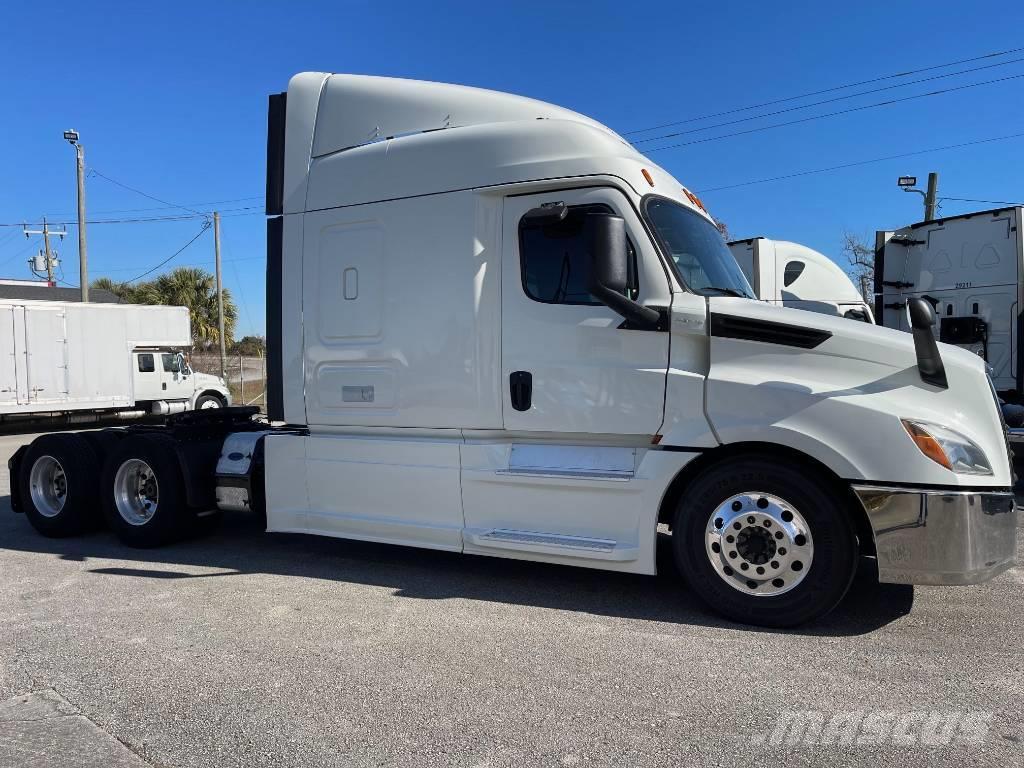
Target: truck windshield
(698,251)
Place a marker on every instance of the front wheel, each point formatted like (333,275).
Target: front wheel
(208,401)
(765,543)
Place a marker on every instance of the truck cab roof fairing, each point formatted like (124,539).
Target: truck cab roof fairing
(360,109)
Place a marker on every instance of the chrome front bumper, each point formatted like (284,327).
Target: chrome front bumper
(940,537)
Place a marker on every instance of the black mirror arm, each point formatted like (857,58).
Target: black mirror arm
(643,317)
(929,361)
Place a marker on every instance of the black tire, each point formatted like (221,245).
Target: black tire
(79,508)
(835,551)
(209,401)
(169,520)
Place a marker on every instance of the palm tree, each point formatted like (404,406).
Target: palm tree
(190,287)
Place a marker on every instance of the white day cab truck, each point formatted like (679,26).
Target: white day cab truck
(82,361)
(495,328)
(793,275)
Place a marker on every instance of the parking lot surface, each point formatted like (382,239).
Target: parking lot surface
(248,649)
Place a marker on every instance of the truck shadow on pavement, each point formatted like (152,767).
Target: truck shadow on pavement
(239,547)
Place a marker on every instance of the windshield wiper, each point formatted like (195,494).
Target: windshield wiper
(726,291)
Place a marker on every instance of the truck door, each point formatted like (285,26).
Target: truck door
(567,364)
(582,396)
(175,385)
(46,345)
(147,380)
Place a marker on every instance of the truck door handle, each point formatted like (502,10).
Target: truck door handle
(164,385)
(520,387)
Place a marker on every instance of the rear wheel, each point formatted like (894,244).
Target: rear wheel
(143,491)
(765,543)
(58,483)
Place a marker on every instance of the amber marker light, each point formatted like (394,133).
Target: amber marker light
(647,175)
(927,444)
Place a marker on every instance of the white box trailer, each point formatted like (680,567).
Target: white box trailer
(495,328)
(792,275)
(72,358)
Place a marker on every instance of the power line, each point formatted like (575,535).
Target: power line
(165,207)
(860,162)
(94,172)
(832,89)
(975,200)
(825,101)
(834,114)
(206,226)
(253,210)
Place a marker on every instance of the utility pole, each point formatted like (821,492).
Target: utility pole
(220,295)
(83,272)
(48,254)
(931,197)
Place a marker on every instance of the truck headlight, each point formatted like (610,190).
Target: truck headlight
(948,448)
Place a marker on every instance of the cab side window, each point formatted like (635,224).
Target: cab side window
(555,262)
(170,362)
(146,363)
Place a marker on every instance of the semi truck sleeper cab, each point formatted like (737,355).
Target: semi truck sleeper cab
(495,328)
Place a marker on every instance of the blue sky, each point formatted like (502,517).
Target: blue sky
(171,99)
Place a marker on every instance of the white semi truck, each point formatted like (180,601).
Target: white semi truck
(496,328)
(971,269)
(84,360)
(793,275)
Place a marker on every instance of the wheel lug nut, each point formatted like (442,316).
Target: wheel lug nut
(750,519)
(730,538)
(782,550)
(767,523)
(744,566)
(778,534)
(732,554)
(760,571)
(775,563)
(737,526)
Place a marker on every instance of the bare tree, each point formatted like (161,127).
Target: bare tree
(860,263)
(723,228)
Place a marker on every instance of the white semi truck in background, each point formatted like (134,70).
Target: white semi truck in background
(81,361)
(495,328)
(971,269)
(792,275)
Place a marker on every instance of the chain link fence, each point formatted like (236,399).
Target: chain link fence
(246,376)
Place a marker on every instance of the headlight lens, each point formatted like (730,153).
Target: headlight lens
(948,448)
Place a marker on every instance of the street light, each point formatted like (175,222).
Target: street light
(71,136)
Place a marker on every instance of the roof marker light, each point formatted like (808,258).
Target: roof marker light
(647,176)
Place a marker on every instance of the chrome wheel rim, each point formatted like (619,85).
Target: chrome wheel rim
(759,543)
(48,486)
(210,404)
(136,492)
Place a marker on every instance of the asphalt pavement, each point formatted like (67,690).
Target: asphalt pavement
(248,649)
